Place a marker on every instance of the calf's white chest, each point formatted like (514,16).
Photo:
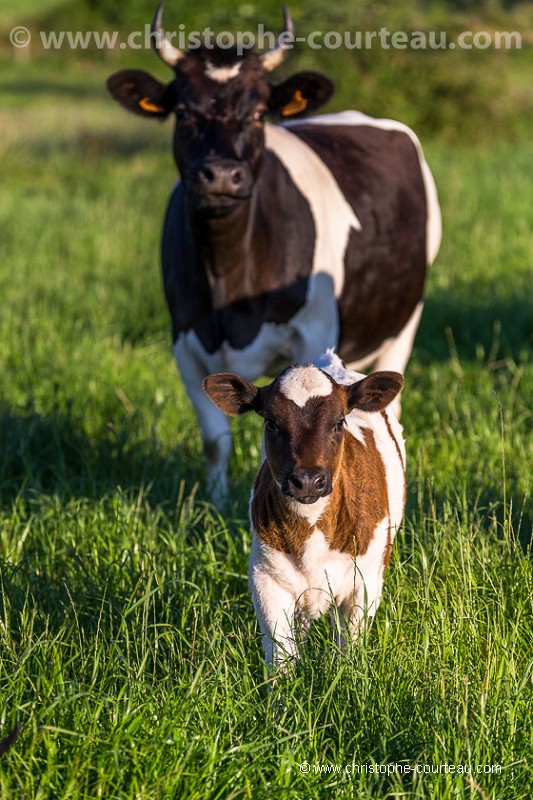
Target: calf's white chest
(328,574)
(320,577)
(284,587)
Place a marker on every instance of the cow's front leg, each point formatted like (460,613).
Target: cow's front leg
(348,621)
(275,607)
(214,425)
(360,607)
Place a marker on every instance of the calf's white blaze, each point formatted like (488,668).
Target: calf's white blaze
(300,384)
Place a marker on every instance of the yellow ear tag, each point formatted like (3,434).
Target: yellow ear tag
(294,106)
(146,105)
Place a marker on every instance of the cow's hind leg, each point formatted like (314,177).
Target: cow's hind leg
(395,352)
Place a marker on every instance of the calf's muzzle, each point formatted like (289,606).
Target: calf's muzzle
(307,486)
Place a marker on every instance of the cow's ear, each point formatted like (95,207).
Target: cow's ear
(232,394)
(375,392)
(300,94)
(137,91)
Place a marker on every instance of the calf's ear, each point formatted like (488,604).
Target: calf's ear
(299,95)
(137,91)
(232,394)
(374,392)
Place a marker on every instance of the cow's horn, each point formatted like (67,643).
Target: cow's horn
(274,57)
(163,46)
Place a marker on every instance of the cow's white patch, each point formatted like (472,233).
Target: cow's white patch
(393,354)
(283,589)
(333,216)
(301,383)
(222,74)
(329,575)
(313,328)
(434,219)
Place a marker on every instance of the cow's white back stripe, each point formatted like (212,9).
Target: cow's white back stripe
(333,216)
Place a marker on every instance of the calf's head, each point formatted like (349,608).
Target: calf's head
(220,98)
(304,412)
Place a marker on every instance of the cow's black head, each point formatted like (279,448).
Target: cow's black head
(220,98)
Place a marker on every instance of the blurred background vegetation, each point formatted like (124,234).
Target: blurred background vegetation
(471,95)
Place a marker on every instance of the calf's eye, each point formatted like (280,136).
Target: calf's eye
(270,426)
(339,425)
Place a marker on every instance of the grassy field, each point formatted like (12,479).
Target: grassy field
(128,645)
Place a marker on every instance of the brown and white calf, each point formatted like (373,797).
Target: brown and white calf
(328,498)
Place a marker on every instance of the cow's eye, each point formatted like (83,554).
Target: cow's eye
(259,115)
(339,425)
(183,114)
(270,426)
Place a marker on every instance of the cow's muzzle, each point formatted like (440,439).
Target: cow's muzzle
(307,486)
(218,186)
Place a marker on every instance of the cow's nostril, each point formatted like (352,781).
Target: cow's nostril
(237,176)
(207,175)
(320,482)
(296,482)
(308,486)
(222,177)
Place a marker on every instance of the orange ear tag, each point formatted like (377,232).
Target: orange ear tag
(146,105)
(294,106)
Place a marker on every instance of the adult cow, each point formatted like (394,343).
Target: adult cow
(282,240)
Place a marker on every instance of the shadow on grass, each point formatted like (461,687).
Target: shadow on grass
(52,455)
(119,541)
(460,324)
(117,529)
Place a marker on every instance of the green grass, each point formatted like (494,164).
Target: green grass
(128,645)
